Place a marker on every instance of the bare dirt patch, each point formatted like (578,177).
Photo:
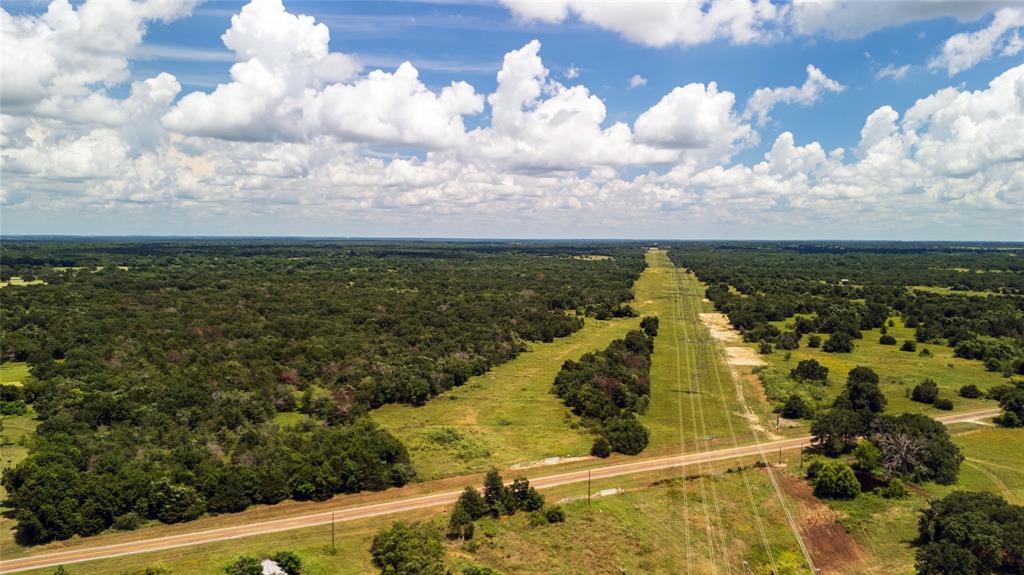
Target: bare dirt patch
(721,330)
(719,327)
(833,549)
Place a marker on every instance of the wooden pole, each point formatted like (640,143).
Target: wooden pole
(588,488)
(334,548)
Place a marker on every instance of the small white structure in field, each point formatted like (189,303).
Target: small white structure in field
(272,568)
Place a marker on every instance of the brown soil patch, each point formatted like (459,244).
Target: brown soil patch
(833,550)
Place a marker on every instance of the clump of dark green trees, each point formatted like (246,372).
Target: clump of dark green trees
(609,388)
(497,499)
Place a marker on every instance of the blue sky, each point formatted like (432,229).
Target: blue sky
(689,190)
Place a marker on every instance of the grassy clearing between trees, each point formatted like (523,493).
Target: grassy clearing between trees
(885,528)
(13,372)
(898,371)
(503,417)
(17,281)
(682,339)
(638,531)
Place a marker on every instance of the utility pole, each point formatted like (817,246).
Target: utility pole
(588,488)
(780,456)
(334,549)
(801,456)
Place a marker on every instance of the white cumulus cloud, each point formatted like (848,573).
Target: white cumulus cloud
(966,49)
(817,84)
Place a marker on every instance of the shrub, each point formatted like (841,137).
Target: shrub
(970,391)
(796,408)
(943,404)
(288,562)
(765,348)
(908,345)
(839,342)
(887,339)
(835,480)
(409,549)
(925,352)
(626,434)
(554,514)
(809,369)
(814,340)
(788,340)
(895,489)
(245,565)
(925,392)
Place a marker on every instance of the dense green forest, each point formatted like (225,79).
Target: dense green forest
(970,297)
(158,366)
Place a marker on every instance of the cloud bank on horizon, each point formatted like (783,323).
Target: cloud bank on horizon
(301,137)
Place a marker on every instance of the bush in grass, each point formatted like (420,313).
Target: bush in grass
(245,565)
(1012,404)
(408,549)
(649,325)
(765,348)
(554,514)
(460,524)
(970,391)
(473,503)
(839,342)
(835,480)
(943,404)
(895,489)
(908,345)
(288,562)
(788,340)
(814,340)
(925,392)
(796,408)
(809,369)
(887,339)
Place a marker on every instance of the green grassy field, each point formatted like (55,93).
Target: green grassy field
(13,372)
(17,281)
(898,371)
(692,394)
(506,416)
(948,291)
(885,528)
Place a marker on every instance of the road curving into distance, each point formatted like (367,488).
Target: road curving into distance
(413,503)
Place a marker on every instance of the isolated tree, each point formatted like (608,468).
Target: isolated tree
(814,340)
(408,549)
(887,339)
(765,348)
(925,392)
(908,345)
(970,391)
(788,340)
(524,497)
(838,342)
(626,434)
(809,369)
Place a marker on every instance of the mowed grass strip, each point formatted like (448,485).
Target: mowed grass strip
(670,370)
(898,371)
(504,417)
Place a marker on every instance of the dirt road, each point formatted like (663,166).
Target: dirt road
(412,503)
